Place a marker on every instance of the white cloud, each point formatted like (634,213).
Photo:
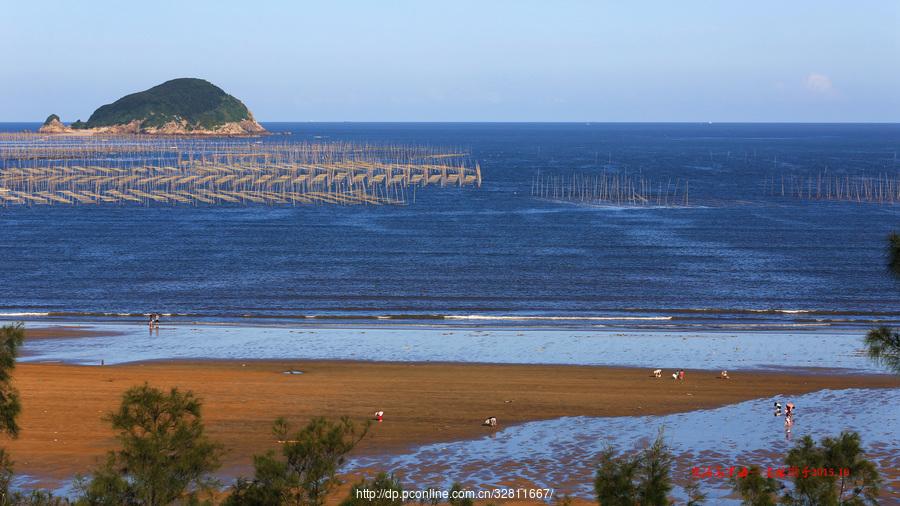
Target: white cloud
(819,84)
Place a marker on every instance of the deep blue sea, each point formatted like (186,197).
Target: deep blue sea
(737,254)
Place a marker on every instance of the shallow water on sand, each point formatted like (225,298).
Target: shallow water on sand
(562,453)
(701,350)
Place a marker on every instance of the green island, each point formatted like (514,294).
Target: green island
(179,106)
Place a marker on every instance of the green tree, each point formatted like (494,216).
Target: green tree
(563,500)
(756,489)
(653,473)
(615,484)
(883,346)
(883,343)
(863,483)
(643,478)
(386,487)
(826,489)
(305,472)
(695,497)
(36,498)
(6,477)
(893,254)
(11,337)
(455,490)
(165,455)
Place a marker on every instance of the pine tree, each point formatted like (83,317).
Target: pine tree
(305,472)
(165,454)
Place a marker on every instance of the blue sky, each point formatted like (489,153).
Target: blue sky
(496,60)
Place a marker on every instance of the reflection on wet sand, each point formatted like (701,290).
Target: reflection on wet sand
(561,453)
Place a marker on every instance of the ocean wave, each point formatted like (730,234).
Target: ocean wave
(680,315)
(87,314)
(784,311)
(576,318)
(754,311)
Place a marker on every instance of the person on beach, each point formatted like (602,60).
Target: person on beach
(490,422)
(156,320)
(777,408)
(681,374)
(789,416)
(379,415)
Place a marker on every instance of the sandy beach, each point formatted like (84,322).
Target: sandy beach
(63,434)
(66,332)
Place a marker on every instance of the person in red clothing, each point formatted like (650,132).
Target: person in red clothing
(789,415)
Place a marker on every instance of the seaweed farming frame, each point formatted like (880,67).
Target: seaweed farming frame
(879,189)
(634,190)
(611,188)
(38,169)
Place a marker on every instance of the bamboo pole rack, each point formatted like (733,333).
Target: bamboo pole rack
(40,169)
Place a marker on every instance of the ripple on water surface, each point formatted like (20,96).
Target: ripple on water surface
(562,453)
(651,349)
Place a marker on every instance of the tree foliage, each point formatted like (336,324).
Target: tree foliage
(695,496)
(456,498)
(11,337)
(643,478)
(893,253)
(615,484)
(165,455)
(23,498)
(387,489)
(756,489)
(883,343)
(861,487)
(305,471)
(883,346)
(198,102)
(6,477)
